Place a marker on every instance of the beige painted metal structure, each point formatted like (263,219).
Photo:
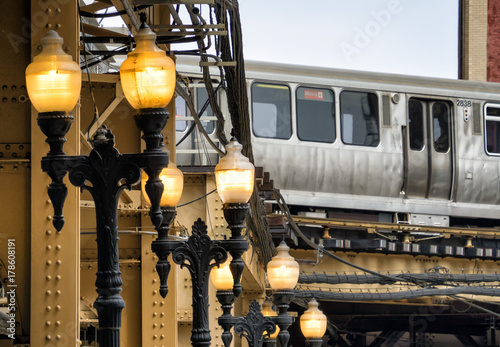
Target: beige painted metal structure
(55,272)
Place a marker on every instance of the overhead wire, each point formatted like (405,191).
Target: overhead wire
(96,111)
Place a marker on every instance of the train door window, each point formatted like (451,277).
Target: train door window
(180,112)
(441,128)
(359,118)
(271,111)
(416,124)
(315,115)
(201,99)
(492,117)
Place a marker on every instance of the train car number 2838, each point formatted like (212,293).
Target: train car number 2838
(464,103)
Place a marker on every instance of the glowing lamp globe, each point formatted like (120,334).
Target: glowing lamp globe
(313,321)
(221,276)
(53,79)
(234,175)
(173,183)
(267,311)
(283,270)
(147,75)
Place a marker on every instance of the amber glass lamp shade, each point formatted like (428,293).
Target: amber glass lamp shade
(173,184)
(234,175)
(313,321)
(267,311)
(53,79)
(283,270)
(147,75)
(221,276)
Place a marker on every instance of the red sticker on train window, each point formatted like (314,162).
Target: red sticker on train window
(314,94)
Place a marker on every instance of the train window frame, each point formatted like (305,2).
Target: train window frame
(416,137)
(181,124)
(207,124)
(350,120)
(288,133)
(441,141)
(495,119)
(315,95)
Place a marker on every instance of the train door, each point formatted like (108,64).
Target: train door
(428,159)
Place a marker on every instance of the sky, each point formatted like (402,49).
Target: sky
(412,37)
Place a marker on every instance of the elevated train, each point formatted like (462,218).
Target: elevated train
(396,148)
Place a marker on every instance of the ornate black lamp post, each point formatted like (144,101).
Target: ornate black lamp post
(53,83)
(254,326)
(283,274)
(313,325)
(199,254)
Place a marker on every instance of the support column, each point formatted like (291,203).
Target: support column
(55,256)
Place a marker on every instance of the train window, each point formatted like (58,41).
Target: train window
(359,118)
(416,124)
(315,115)
(271,111)
(440,122)
(493,129)
(180,111)
(201,99)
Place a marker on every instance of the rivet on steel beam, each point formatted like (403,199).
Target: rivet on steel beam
(58,262)
(49,247)
(48,262)
(58,337)
(154,314)
(48,277)
(48,308)
(48,292)
(155,325)
(58,247)
(58,26)
(48,26)
(48,337)
(58,292)
(48,232)
(58,277)
(58,307)
(48,323)
(58,323)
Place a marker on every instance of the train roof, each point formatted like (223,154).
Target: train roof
(291,73)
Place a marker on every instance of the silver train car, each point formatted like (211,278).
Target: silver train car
(397,148)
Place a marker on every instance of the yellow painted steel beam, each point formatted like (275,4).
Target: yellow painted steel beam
(55,269)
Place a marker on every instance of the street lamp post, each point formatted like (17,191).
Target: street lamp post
(267,311)
(283,275)
(254,326)
(53,81)
(199,254)
(313,325)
